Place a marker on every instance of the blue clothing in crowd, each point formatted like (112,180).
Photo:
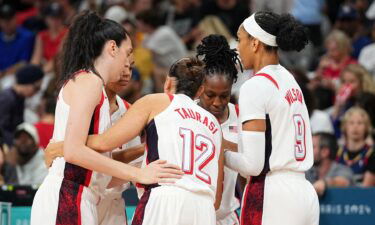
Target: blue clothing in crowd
(308,12)
(18,49)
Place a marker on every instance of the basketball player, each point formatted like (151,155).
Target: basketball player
(111,208)
(221,72)
(276,143)
(180,131)
(96,51)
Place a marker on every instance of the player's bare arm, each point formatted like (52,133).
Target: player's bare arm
(131,124)
(75,149)
(129,154)
(228,145)
(55,150)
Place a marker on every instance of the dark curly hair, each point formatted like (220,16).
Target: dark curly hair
(290,34)
(218,57)
(189,73)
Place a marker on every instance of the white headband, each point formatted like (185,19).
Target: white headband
(252,27)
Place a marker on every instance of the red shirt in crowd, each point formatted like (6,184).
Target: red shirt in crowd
(333,72)
(51,45)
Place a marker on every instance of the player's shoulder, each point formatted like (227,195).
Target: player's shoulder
(257,85)
(155,97)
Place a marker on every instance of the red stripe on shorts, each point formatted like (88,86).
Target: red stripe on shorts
(140,210)
(252,209)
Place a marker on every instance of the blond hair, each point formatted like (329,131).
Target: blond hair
(342,40)
(366,82)
(364,115)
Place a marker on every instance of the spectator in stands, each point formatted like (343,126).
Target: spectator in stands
(348,20)
(367,102)
(16,43)
(138,6)
(47,118)
(309,13)
(367,55)
(28,157)
(276,6)
(326,172)
(183,17)
(231,12)
(8,174)
(337,57)
(70,9)
(355,80)
(165,45)
(320,120)
(48,42)
(356,153)
(12,100)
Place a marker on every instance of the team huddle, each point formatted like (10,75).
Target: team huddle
(195,143)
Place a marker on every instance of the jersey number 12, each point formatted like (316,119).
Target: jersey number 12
(192,164)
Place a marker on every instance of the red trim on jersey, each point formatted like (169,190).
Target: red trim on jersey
(138,185)
(170,97)
(127,104)
(237,108)
(269,77)
(79,198)
(97,115)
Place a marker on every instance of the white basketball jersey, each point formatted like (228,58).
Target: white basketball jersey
(99,123)
(186,135)
(274,95)
(123,108)
(229,202)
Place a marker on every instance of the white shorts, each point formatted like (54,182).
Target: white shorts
(62,202)
(231,219)
(280,197)
(112,211)
(169,205)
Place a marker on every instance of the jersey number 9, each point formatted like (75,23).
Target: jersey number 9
(299,146)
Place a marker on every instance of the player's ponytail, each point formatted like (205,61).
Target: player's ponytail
(218,57)
(290,34)
(189,74)
(85,41)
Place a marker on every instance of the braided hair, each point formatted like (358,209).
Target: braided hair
(218,57)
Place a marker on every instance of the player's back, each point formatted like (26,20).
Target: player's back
(187,135)
(288,134)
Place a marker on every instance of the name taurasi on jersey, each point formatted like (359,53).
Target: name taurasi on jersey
(191,114)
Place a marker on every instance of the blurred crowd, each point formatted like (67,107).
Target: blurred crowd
(335,71)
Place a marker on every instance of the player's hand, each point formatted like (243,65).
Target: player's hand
(159,172)
(53,150)
(229,146)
